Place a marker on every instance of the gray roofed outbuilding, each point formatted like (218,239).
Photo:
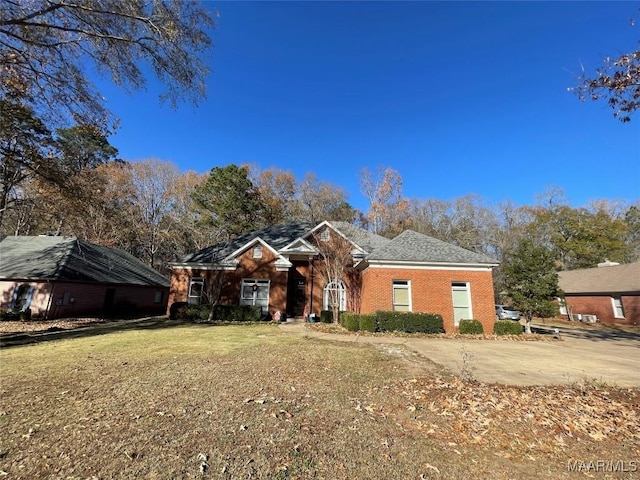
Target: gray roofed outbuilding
(72,259)
(412,246)
(611,279)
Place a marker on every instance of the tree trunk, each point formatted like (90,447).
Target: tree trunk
(527,322)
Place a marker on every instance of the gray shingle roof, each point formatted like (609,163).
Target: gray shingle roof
(409,246)
(614,279)
(412,246)
(363,238)
(72,259)
(278,236)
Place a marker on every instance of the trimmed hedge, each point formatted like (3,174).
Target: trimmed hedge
(350,321)
(9,316)
(383,321)
(221,313)
(239,313)
(507,327)
(326,316)
(367,323)
(409,322)
(471,326)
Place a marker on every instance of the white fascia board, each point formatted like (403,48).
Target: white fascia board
(203,266)
(328,224)
(480,267)
(290,247)
(248,245)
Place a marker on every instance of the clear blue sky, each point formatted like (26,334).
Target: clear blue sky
(460,98)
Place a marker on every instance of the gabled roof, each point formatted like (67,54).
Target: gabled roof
(363,238)
(409,246)
(277,236)
(72,259)
(412,246)
(613,279)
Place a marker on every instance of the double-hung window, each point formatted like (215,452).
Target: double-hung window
(461,302)
(255,292)
(401,296)
(618,311)
(196,290)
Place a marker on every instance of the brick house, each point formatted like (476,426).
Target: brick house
(610,292)
(282,268)
(61,277)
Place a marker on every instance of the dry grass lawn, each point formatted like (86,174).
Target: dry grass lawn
(248,402)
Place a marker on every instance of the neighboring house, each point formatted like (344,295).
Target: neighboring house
(610,292)
(279,268)
(60,277)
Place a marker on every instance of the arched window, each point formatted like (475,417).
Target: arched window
(334,291)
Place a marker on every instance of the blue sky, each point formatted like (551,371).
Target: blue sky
(460,98)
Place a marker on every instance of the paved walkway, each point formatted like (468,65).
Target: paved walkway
(576,357)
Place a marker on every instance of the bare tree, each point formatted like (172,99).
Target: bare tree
(45,46)
(335,266)
(388,209)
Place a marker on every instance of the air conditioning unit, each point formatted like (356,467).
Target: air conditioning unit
(589,318)
(577,316)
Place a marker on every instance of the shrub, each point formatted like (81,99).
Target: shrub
(239,313)
(389,321)
(326,316)
(350,321)
(367,323)
(221,313)
(9,316)
(176,310)
(471,326)
(507,327)
(409,322)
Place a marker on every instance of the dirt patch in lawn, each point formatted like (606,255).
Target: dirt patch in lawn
(250,402)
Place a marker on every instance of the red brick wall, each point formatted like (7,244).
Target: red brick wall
(602,307)
(69,299)
(430,292)
(248,267)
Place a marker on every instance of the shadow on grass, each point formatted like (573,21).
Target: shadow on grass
(601,333)
(148,323)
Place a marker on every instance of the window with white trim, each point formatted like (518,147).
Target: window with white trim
(401,296)
(461,296)
(257,251)
(255,292)
(618,311)
(325,235)
(334,292)
(562,305)
(196,289)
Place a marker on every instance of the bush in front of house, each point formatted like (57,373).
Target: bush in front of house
(238,313)
(367,323)
(176,310)
(326,316)
(9,316)
(507,327)
(473,327)
(221,313)
(350,321)
(409,322)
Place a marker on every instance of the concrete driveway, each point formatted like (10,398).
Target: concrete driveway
(602,356)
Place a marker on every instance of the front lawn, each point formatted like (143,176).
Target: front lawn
(248,401)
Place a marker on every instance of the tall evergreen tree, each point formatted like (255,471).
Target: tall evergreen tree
(229,202)
(531,281)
